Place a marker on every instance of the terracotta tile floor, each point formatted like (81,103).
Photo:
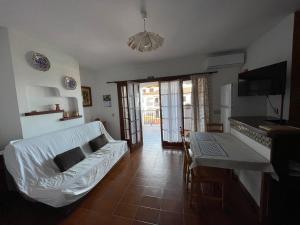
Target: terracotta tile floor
(145,187)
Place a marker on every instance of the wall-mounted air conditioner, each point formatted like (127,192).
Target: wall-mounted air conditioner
(223,61)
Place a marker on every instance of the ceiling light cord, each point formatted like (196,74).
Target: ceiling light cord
(144,24)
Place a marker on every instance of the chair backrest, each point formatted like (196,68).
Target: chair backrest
(214,127)
(185,134)
(185,137)
(187,153)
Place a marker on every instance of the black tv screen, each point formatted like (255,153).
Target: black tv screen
(268,80)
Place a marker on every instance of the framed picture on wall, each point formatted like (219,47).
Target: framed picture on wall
(107,100)
(86,96)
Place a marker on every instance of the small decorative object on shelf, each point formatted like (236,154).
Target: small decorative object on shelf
(57,107)
(70,118)
(40,62)
(66,115)
(70,83)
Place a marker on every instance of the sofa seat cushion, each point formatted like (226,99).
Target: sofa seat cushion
(98,142)
(66,160)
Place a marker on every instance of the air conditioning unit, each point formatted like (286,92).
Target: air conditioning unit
(223,61)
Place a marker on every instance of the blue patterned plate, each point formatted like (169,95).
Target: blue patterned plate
(70,83)
(40,62)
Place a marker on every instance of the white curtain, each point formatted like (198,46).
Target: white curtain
(200,103)
(171,106)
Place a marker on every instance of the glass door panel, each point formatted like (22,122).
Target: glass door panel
(187,105)
(123,112)
(171,112)
(134,114)
(137,102)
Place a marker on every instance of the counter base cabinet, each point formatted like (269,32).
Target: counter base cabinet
(284,204)
(3,187)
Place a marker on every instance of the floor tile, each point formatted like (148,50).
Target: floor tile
(99,205)
(136,222)
(151,202)
(172,205)
(153,191)
(131,198)
(147,215)
(172,194)
(126,210)
(168,218)
(116,220)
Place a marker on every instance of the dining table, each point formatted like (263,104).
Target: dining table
(224,150)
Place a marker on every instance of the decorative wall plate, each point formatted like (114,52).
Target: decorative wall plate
(70,83)
(40,62)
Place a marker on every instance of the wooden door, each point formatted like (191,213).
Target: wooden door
(134,107)
(294,118)
(130,113)
(124,111)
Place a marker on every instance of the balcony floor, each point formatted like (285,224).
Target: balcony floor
(152,135)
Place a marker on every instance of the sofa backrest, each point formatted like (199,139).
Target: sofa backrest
(31,158)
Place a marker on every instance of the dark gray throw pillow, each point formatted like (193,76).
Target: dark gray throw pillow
(66,160)
(98,142)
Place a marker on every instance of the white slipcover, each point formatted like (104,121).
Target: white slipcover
(30,162)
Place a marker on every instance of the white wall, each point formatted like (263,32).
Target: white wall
(241,106)
(89,78)
(10,127)
(27,78)
(273,47)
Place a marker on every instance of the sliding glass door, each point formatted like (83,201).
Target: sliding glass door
(171,112)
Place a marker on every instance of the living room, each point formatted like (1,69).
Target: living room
(67,65)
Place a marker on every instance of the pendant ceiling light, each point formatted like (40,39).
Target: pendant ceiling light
(145,41)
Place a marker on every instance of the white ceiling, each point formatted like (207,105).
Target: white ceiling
(96,31)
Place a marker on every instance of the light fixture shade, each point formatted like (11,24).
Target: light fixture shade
(145,41)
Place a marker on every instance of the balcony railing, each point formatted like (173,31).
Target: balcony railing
(151,117)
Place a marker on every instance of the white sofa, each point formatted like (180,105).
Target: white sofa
(30,163)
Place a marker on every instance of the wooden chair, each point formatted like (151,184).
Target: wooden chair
(215,127)
(186,145)
(197,177)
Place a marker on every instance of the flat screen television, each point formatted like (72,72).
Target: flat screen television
(268,80)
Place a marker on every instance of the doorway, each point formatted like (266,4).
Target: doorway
(155,112)
(150,113)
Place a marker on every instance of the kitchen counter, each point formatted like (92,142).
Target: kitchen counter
(255,122)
